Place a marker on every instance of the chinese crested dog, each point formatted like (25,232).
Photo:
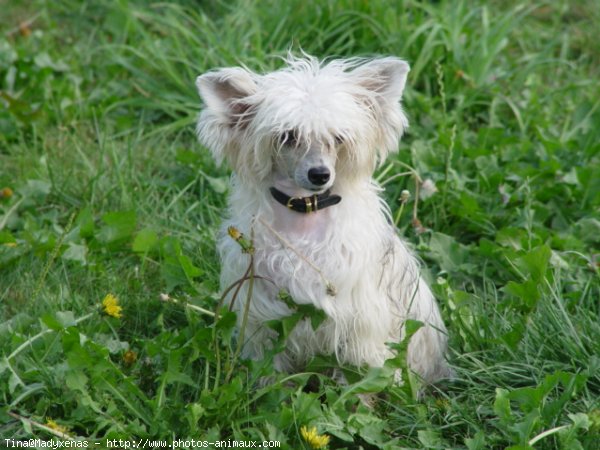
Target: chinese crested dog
(303,143)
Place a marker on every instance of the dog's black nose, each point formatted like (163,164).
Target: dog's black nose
(319,175)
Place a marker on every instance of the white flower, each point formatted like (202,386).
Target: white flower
(428,188)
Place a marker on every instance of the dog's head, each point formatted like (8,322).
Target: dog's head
(309,123)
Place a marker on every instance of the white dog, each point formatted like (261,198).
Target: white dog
(304,142)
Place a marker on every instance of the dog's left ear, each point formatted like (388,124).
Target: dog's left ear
(384,76)
(383,81)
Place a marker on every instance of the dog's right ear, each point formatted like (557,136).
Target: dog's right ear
(225,92)
(227,109)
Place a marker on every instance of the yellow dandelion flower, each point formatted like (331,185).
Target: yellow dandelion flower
(111,306)
(129,357)
(234,233)
(56,427)
(239,237)
(442,403)
(314,439)
(6,192)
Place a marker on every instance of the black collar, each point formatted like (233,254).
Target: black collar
(306,205)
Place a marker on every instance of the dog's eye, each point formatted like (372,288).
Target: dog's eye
(289,138)
(339,140)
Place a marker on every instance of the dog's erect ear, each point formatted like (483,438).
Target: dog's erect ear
(385,76)
(224,92)
(227,95)
(383,81)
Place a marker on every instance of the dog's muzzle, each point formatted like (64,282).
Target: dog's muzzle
(306,205)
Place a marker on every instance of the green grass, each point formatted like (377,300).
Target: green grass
(112,194)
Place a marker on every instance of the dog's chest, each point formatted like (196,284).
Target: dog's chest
(312,227)
(311,255)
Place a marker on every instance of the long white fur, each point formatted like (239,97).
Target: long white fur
(346,115)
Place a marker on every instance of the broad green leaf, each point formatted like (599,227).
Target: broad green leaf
(6,238)
(76,380)
(85,222)
(513,337)
(36,189)
(119,227)
(524,428)
(430,438)
(369,427)
(527,294)
(145,241)
(580,420)
(75,252)
(477,442)
(535,262)
(375,380)
(450,255)
(502,406)
(177,269)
